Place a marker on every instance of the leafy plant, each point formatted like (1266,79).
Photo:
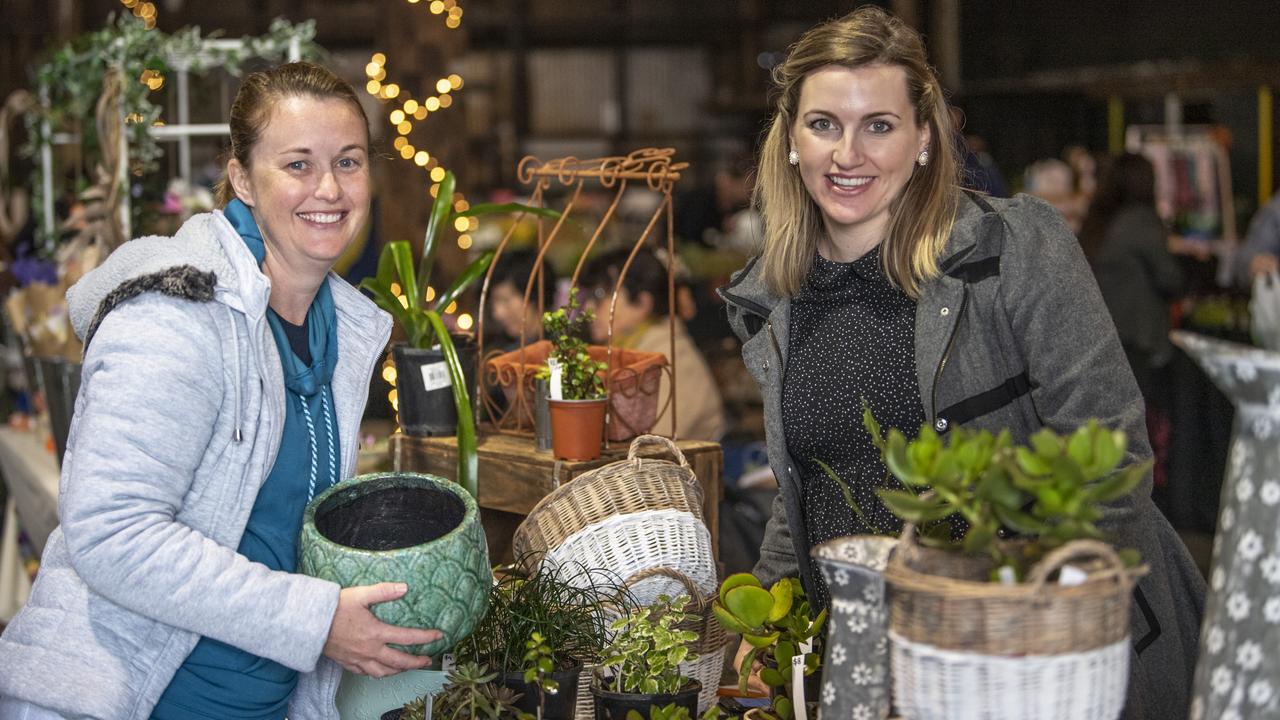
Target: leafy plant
(1050,492)
(566,327)
(469,694)
(673,712)
(566,607)
(776,623)
(538,668)
(648,648)
(424,325)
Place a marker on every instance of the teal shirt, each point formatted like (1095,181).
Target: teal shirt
(218,681)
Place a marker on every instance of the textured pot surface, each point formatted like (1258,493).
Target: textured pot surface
(1238,673)
(421,530)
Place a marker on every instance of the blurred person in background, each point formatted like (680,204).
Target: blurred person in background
(641,321)
(1260,252)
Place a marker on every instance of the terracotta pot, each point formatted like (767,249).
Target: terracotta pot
(577,428)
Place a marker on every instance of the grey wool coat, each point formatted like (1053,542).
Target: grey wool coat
(1013,334)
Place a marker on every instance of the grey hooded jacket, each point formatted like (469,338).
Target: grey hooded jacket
(177,424)
(1014,334)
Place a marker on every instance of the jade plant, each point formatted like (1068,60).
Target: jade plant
(1048,493)
(648,648)
(400,289)
(778,625)
(566,327)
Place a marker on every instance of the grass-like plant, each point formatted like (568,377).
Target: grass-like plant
(567,606)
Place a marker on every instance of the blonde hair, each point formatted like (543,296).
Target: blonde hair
(257,97)
(920,218)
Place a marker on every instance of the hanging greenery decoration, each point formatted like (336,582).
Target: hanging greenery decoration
(71,81)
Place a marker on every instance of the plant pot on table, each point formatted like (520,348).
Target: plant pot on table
(424,393)
(635,377)
(611,705)
(421,530)
(577,428)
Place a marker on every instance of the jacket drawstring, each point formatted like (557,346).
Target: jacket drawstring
(311,437)
(235,354)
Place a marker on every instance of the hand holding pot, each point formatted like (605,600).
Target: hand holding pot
(754,683)
(358,641)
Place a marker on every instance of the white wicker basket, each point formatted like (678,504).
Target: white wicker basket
(627,544)
(930,683)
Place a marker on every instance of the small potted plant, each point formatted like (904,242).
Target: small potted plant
(1032,592)
(578,399)
(644,662)
(432,375)
(469,694)
(566,610)
(779,626)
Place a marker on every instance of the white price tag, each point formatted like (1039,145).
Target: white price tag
(797,685)
(435,376)
(557,377)
(1071,575)
(446,662)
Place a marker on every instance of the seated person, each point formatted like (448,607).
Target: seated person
(641,322)
(506,297)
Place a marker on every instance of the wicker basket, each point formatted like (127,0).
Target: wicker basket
(634,380)
(620,488)
(964,648)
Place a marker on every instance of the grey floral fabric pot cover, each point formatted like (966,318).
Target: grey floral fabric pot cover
(856,667)
(1238,673)
(420,530)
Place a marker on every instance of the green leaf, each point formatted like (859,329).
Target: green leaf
(402,257)
(750,604)
(437,222)
(772,677)
(1031,463)
(873,427)
(1119,484)
(1046,443)
(1019,521)
(469,274)
(737,580)
(762,641)
(782,598)
(978,539)
(467,460)
(481,209)
(913,508)
(1080,446)
(782,705)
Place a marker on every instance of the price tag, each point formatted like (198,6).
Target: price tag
(557,377)
(435,376)
(797,685)
(446,662)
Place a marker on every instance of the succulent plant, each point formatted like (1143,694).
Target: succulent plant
(776,623)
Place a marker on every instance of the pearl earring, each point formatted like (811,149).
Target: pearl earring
(793,157)
(923,158)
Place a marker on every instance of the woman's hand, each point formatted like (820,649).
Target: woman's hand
(358,640)
(754,683)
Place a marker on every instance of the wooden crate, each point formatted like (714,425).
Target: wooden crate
(514,476)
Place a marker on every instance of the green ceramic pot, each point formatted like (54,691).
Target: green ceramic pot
(421,530)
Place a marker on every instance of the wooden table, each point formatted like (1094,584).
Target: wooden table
(514,476)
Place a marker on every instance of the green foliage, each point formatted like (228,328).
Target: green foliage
(1050,492)
(71,81)
(566,607)
(423,324)
(538,666)
(648,648)
(566,328)
(469,694)
(776,623)
(673,712)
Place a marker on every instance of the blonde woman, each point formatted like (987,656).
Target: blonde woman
(880,279)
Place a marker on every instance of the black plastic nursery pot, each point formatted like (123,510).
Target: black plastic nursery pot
(563,705)
(392,714)
(424,393)
(615,705)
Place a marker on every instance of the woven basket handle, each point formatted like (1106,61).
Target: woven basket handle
(643,440)
(1077,549)
(695,595)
